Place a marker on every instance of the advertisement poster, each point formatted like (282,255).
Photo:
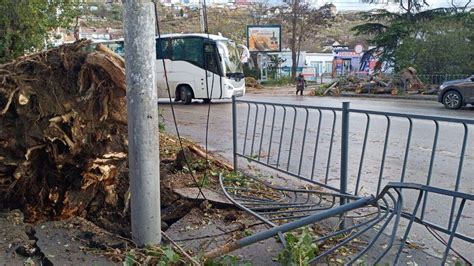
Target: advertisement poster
(264,38)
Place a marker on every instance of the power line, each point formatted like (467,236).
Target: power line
(172,108)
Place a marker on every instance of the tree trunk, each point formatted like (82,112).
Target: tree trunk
(300,39)
(294,24)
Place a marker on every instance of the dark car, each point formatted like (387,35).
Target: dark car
(456,93)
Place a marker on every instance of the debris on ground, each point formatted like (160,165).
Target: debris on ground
(252,83)
(410,79)
(63,157)
(205,229)
(407,81)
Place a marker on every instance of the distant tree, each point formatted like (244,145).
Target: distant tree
(230,23)
(26,24)
(463,6)
(258,11)
(430,40)
(302,21)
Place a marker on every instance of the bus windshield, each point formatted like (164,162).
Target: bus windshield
(231,57)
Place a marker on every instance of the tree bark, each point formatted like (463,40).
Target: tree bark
(294,24)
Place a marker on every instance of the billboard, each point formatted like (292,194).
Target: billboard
(264,38)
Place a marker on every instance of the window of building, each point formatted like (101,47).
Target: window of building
(318,65)
(327,67)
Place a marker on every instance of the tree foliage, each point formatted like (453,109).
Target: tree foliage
(433,41)
(26,24)
(258,11)
(302,21)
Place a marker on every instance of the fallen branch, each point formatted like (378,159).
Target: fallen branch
(219,251)
(196,150)
(331,88)
(240,228)
(180,249)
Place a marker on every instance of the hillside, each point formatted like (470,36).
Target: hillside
(233,23)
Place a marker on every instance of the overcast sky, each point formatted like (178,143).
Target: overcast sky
(446,3)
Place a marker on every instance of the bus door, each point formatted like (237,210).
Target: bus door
(214,70)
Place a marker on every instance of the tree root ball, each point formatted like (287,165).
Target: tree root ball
(63,135)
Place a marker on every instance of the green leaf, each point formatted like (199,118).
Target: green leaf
(171,255)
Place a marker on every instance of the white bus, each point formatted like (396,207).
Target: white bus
(188,58)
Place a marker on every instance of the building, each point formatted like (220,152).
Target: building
(311,65)
(321,62)
(94,34)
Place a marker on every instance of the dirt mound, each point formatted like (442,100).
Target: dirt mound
(63,134)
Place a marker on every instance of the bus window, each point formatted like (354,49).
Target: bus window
(211,57)
(189,50)
(163,49)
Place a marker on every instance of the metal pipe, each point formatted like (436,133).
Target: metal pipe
(362,156)
(281,137)
(143,119)
(407,150)
(430,171)
(316,145)
(387,134)
(344,154)
(344,148)
(304,221)
(453,231)
(304,140)
(271,135)
(246,127)
(459,174)
(331,143)
(263,131)
(234,132)
(254,130)
(291,139)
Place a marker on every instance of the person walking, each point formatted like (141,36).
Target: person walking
(300,84)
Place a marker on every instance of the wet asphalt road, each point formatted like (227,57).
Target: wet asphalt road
(192,121)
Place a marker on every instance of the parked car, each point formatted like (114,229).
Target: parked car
(457,93)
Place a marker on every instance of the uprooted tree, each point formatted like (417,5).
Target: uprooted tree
(63,135)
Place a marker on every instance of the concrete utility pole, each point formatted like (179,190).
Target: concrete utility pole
(201,15)
(143,132)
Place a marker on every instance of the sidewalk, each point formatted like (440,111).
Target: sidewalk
(418,97)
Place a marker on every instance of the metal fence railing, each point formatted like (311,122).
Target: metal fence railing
(311,74)
(359,152)
(438,79)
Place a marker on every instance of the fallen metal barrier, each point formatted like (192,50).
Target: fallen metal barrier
(272,139)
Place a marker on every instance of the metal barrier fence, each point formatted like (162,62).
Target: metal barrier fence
(358,152)
(312,75)
(438,79)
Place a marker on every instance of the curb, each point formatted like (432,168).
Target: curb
(400,97)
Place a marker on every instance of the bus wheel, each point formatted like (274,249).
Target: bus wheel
(206,101)
(186,95)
